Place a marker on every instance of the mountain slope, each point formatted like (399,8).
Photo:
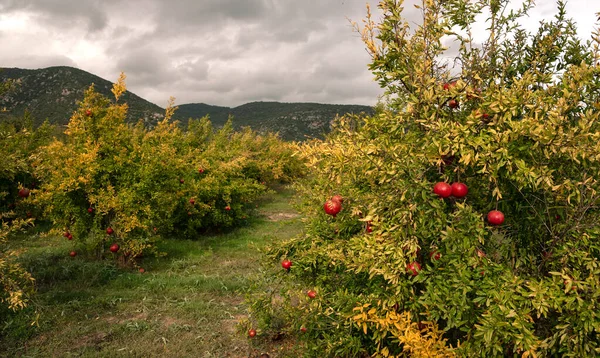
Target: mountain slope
(53,93)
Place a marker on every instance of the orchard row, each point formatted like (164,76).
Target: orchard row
(111,187)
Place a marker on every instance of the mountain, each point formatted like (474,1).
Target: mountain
(293,121)
(53,93)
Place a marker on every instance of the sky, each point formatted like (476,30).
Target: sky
(219,52)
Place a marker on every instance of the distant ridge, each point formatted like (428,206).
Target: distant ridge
(53,93)
(293,121)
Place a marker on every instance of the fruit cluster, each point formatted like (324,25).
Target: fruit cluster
(460,190)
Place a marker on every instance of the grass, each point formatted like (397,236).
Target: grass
(186,304)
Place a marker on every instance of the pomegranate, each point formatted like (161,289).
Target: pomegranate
(459,190)
(495,217)
(332,207)
(442,189)
(414,268)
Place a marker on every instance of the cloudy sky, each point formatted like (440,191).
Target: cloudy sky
(221,52)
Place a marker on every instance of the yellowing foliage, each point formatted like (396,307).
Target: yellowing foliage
(139,181)
(15,281)
(418,342)
(17,141)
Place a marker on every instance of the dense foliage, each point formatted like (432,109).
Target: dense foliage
(17,141)
(109,182)
(404,271)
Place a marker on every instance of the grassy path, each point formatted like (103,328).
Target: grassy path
(185,305)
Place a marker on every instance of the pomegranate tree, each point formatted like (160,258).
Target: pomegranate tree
(514,127)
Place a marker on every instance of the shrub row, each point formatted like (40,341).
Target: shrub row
(109,182)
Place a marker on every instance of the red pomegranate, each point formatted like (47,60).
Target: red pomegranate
(495,217)
(332,207)
(414,268)
(459,190)
(442,189)
(24,192)
(286,264)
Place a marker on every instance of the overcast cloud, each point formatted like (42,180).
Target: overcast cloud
(221,52)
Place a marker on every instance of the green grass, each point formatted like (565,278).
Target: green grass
(186,304)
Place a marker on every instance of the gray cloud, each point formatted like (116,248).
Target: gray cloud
(88,14)
(35,62)
(222,52)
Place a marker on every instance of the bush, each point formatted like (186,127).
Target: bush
(17,141)
(111,182)
(401,271)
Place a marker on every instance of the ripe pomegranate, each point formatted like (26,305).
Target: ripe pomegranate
(414,268)
(480,253)
(24,192)
(73,254)
(286,264)
(252,333)
(453,103)
(114,247)
(200,170)
(338,197)
(303,329)
(449,85)
(142,270)
(181,181)
(88,112)
(459,190)
(311,293)
(442,189)
(66,234)
(495,217)
(369,228)
(90,210)
(332,207)
(110,231)
(227,208)
(192,201)
(435,255)
(70,236)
